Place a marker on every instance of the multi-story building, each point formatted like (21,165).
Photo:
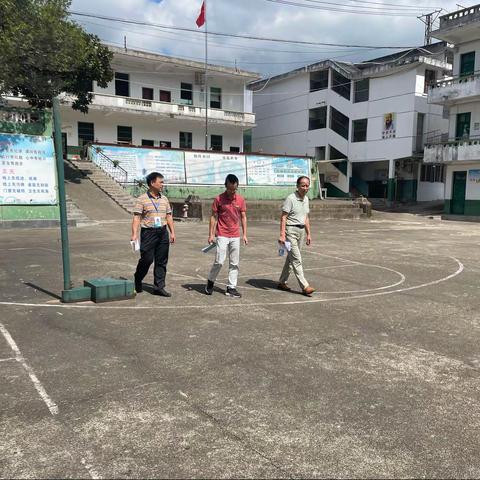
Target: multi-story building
(365,123)
(157,100)
(459,154)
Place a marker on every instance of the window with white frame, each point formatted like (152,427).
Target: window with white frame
(432,173)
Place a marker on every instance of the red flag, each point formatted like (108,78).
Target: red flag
(201,18)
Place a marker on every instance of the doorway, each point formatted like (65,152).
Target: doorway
(458,192)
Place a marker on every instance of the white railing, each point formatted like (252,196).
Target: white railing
(113,101)
(456,150)
(454,18)
(447,82)
(454,88)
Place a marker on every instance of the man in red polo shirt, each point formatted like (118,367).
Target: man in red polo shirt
(228,211)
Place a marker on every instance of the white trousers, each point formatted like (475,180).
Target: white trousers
(232,247)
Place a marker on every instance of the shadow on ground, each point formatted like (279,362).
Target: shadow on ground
(200,288)
(43,290)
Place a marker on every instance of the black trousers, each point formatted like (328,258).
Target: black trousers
(154,246)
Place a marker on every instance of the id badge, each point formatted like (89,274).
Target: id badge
(157,221)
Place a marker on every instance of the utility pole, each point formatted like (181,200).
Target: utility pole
(206,75)
(429,19)
(67,283)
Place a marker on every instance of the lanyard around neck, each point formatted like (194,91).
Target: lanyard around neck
(154,203)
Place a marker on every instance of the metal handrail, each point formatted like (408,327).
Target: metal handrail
(136,188)
(109,166)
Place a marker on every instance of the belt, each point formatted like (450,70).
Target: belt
(297,226)
(154,228)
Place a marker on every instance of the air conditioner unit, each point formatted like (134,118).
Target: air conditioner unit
(199,78)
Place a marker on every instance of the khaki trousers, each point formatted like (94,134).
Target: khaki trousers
(293,262)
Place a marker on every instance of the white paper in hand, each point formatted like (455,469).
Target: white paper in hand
(135,245)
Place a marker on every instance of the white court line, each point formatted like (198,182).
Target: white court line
(204,279)
(97,259)
(7,359)
(352,263)
(234,304)
(52,406)
(400,274)
(305,270)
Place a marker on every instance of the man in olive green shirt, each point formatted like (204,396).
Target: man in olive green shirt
(294,226)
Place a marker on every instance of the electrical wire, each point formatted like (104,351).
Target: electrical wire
(399,5)
(235,61)
(378,6)
(220,45)
(232,35)
(344,10)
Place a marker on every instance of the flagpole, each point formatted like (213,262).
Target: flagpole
(206,82)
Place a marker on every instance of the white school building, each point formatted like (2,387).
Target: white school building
(157,100)
(365,123)
(459,152)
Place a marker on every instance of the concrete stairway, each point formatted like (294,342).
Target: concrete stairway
(75,216)
(106,183)
(335,209)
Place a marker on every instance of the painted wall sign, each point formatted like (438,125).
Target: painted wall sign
(205,168)
(139,162)
(473,185)
(266,170)
(27,167)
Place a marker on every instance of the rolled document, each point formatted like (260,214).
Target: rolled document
(209,247)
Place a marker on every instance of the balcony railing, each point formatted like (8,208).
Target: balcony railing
(459,17)
(171,109)
(465,149)
(454,89)
(447,82)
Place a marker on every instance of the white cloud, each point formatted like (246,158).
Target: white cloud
(256,18)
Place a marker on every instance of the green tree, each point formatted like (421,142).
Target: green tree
(43,53)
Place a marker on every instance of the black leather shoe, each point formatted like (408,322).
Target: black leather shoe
(162,293)
(209,287)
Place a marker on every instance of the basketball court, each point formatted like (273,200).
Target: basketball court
(376,375)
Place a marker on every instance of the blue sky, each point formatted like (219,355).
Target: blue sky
(259,18)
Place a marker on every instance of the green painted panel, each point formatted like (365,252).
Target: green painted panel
(472,207)
(27,212)
(333,191)
(360,185)
(250,193)
(406,190)
(458,192)
(341,166)
(105,289)
(391,189)
(79,294)
(447,207)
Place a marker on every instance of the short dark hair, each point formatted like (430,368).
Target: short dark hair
(299,179)
(151,177)
(231,178)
